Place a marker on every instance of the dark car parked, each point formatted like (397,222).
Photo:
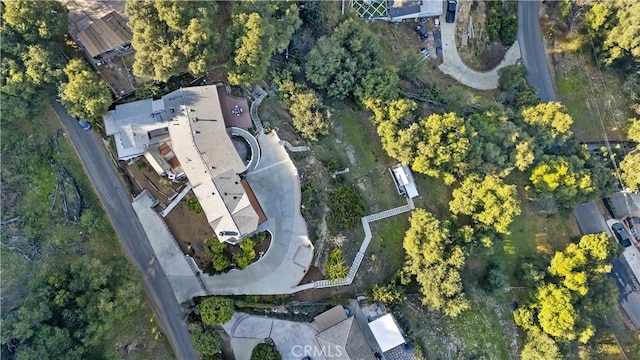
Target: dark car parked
(621,235)
(451,11)
(422,32)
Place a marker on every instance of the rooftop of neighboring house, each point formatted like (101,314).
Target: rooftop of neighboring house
(406,9)
(108,33)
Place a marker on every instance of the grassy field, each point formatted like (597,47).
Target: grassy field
(594,99)
(485,331)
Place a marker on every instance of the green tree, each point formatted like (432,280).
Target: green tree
(616,27)
(206,340)
(559,182)
(630,175)
(340,62)
(435,260)
(629,166)
(539,346)
(336,267)
(380,83)
(410,65)
(259,29)
(490,202)
(36,20)
(443,147)
(216,310)
(172,36)
(551,117)
(84,94)
(391,293)
(496,280)
(265,351)
(347,207)
(245,257)
(579,263)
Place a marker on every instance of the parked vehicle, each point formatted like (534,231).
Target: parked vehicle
(422,32)
(85,125)
(451,11)
(621,234)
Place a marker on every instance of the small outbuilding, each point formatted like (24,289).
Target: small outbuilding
(403,178)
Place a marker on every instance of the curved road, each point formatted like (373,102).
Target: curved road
(532,49)
(117,203)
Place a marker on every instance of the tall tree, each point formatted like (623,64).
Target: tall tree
(559,182)
(206,340)
(172,36)
(259,30)
(340,62)
(36,20)
(435,260)
(443,147)
(489,201)
(84,94)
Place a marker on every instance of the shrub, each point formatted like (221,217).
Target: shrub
(336,268)
(265,351)
(216,310)
(193,205)
(347,207)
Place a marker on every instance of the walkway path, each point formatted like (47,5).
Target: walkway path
(259,95)
(294,148)
(454,66)
(175,201)
(353,270)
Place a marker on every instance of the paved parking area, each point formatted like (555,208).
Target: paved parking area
(290,337)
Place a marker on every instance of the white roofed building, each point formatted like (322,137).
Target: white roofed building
(403,178)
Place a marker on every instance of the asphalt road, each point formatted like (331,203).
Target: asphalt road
(532,49)
(117,203)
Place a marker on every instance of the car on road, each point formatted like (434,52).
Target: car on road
(85,125)
(621,234)
(422,32)
(451,11)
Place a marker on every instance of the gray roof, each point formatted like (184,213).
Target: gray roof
(405,9)
(329,318)
(208,158)
(105,34)
(345,341)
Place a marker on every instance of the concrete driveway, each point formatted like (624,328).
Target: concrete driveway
(276,185)
(290,337)
(453,66)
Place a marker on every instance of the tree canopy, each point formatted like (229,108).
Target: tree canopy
(560,182)
(616,24)
(576,289)
(264,351)
(259,30)
(435,260)
(216,310)
(84,94)
(172,36)
(206,340)
(489,201)
(340,62)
